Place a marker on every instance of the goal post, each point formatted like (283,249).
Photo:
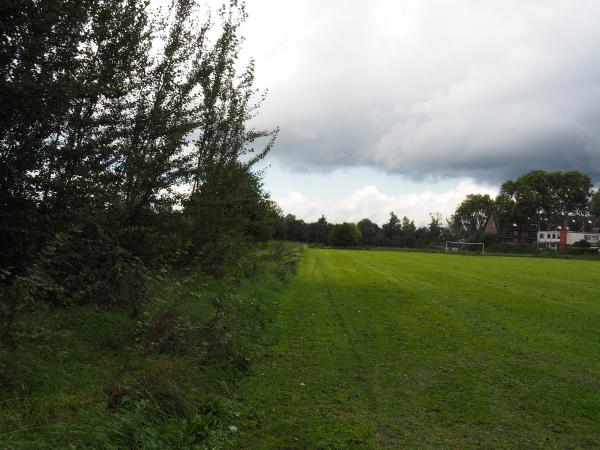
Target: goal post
(456,246)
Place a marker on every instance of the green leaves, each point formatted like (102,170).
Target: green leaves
(109,114)
(346,235)
(551,196)
(472,214)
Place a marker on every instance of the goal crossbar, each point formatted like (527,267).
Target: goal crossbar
(458,246)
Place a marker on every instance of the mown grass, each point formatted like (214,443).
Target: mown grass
(406,350)
(87,377)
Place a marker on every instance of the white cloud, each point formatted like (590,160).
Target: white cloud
(369,202)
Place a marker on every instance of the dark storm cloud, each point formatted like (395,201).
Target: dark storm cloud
(477,88)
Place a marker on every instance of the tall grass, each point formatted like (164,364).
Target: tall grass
(91,377)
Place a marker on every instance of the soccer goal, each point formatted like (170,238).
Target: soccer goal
(452,246)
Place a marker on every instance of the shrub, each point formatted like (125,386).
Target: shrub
(218,256)
(79,267)
(285,256)
(582,244)
(229,335)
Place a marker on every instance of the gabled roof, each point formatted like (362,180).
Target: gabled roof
(491,225)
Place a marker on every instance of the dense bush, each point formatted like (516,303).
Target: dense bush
(102,378)
(79,267)
(228,214)
(284,256)
(582,244)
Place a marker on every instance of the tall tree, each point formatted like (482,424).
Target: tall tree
(295,228)
(107,114)
(370,232)
(409,233)
(545,198)
(228,103)
(472,214)
(435,228)
(64,69)
(345,235)
(318,231)
(392,230)
(572,193)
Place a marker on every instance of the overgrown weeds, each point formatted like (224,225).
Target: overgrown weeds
(158,383)
(165,333)
(95,377)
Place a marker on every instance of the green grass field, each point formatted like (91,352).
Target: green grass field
(376,349)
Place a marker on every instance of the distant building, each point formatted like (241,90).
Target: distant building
(546,236)
(513,232)
(520,233)
(583,224)
(562,238)
(549,239)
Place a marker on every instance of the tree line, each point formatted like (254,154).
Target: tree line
(395,232)
(546,200)
(125,146)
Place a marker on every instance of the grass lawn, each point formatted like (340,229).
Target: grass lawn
(409,350)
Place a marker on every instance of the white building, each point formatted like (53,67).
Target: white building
(558,239)
(549,239)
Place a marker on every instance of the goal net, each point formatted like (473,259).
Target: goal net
(475,247)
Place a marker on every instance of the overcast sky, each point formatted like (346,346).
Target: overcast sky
(411,104)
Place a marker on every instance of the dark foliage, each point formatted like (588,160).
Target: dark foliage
(472,214)
(107,114)
(595,204)
(345,235)
(548,199)
(366,233)
(227,214)
(582,244)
